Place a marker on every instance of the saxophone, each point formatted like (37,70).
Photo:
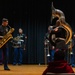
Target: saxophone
(56,13)
(6,37)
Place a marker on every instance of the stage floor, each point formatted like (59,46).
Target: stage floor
(24,70)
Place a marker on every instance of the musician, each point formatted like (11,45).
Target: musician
(48,33)
(3,30)
(60,35)
(73,50)
(19,46)
(51,48)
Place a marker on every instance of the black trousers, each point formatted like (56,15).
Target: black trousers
(5,55)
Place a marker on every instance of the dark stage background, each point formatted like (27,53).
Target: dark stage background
(34,17)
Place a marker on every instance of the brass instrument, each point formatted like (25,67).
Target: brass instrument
(6,38)
(17,42)
(70,46)
(56,13)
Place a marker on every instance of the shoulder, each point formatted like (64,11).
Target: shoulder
(23,34)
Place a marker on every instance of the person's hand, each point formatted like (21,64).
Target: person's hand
(56,29)
(53,47)
(24,47)
(25,37)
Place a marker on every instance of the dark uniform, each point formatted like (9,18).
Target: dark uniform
(59,39)
(18,49)
(3,31)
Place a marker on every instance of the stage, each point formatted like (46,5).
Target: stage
(24,70)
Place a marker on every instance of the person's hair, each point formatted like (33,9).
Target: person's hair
(4,20)
(59,55)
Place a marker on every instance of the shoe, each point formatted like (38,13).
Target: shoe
(19,64)
(14,63)
(6,68)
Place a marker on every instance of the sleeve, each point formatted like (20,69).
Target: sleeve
(45,37)
(24,43)
(53,31)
